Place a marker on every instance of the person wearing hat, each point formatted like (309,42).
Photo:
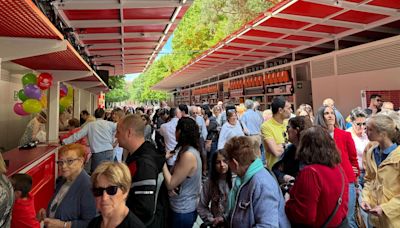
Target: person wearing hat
(34,128)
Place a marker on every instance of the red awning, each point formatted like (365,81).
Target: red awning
(122,36)
(28,38)
(289,27)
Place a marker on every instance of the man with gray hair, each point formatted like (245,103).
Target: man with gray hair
(253,121)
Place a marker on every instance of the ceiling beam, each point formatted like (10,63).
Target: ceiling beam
(13,48)
(88,4)
(362,6)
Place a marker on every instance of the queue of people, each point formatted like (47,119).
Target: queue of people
(279,170)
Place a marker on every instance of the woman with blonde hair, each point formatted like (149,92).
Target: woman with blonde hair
(381,193)
(111,182)
(6,196)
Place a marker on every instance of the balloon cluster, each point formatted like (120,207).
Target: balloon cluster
(66,97)
(33,100)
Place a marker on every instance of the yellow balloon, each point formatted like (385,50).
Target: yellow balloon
(32,106)
(66,101)
(43,101)
(70,91)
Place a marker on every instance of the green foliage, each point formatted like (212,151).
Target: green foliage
(205,24)
(118,92)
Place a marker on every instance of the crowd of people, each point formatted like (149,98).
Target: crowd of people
(167,167)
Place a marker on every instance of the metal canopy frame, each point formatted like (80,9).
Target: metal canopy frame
(290,27)
(126,35)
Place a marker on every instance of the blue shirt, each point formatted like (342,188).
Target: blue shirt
(202,126)
(100,135)
(379,158)
(253,121)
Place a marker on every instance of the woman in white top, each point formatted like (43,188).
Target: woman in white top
(358,132)
(233,127)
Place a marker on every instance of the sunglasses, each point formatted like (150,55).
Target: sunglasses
(110,190)
(361,124)
(68,162)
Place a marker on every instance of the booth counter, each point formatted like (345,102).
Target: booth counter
(38,162)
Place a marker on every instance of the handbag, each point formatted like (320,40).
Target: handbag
(358,217)
(344,223)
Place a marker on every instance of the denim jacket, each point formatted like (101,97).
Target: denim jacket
(259,204)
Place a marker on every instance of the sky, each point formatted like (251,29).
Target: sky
(165,50)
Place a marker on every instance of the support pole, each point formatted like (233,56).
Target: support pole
(53,113)
(77,103)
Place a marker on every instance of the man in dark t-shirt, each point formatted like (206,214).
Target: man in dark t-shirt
(145,165)
(375,104)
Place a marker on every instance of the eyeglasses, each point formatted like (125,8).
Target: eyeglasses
(68,162)
(379,100)
(110,190)
(361,124)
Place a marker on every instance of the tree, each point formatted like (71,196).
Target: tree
(118,92)
(205,24)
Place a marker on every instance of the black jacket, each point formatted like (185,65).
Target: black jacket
(145,164)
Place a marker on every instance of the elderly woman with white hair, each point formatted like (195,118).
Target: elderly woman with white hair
(233,127)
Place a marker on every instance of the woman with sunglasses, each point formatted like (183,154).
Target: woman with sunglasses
(326,118)
(359,121)
(111,182)
(72,204)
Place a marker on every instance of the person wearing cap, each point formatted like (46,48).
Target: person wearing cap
(33,128)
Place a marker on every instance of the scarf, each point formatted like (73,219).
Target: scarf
(256,166)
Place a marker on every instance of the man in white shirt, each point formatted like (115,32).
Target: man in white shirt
(167,131)
(100,135)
